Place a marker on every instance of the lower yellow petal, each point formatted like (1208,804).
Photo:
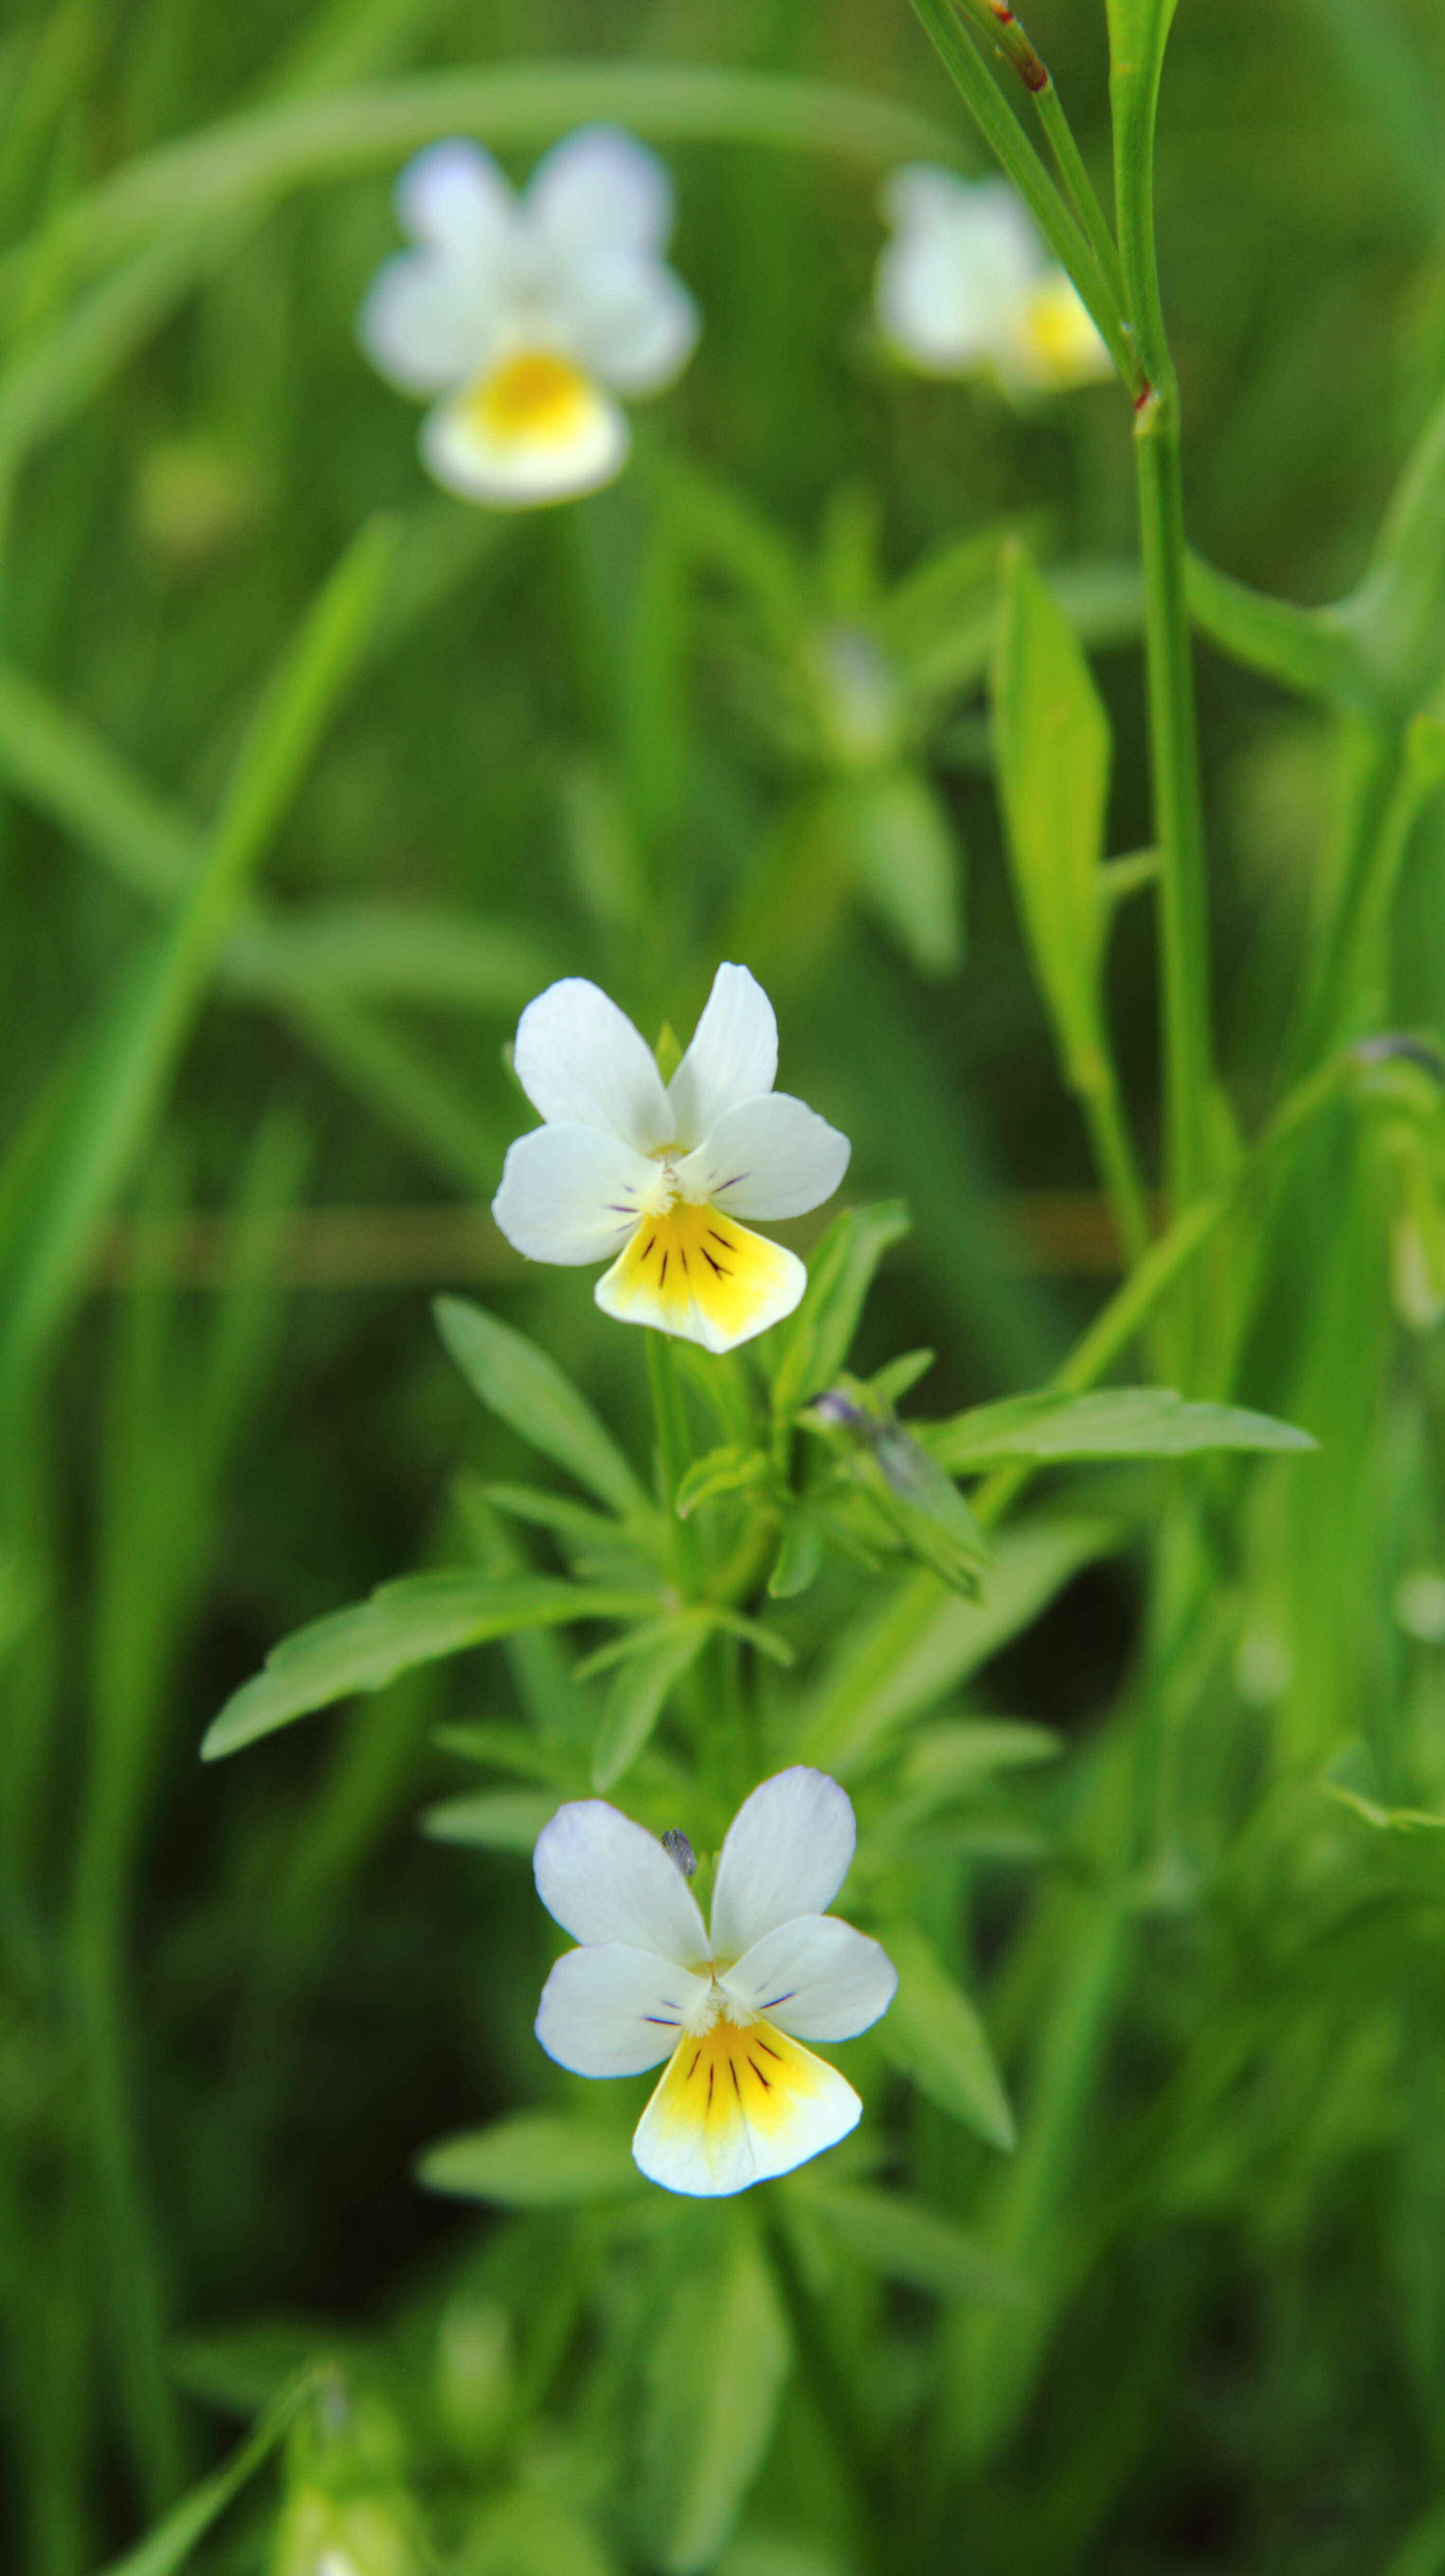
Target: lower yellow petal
(699,1274)
(737,2105)
(533,429)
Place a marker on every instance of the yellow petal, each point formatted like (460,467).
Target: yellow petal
(697,1273)
(737,2105)
(533,430)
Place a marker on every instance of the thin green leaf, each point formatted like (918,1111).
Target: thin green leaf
(1052,744)
(639,1695)
(177,2534)
(532,2160)
(496,1820)
(904,2240)
(906,859)
(731,1470)
(715,2377)
(1122,1422)
(416,1621)
(910,1651)
(932,2033)
(813,1344)
(539,1402)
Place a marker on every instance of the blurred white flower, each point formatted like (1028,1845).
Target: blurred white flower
(529,313)
(658,1176)
(967,285)
(726,2006)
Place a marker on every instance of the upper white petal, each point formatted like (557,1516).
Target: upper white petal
(579,1058)
(815,1978)
(572,1194)
(604,1878)
(454,197)
(599,189)
(919,193)
(787,1852)
(949,282)
(427,324)
(628,318)
(611,2010)
(733,1056)
(772,1157)
(522,473)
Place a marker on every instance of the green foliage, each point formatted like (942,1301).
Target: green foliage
(312,776)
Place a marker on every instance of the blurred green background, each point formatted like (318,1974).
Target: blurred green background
(620,739)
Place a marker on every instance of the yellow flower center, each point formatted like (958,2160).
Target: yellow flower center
(687,1255)
(732,2069)
(534,395)
(1059,334)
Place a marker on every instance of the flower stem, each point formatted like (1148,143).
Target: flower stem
(1114,1155)
(1174,749)
(673,1456)
(1006,139)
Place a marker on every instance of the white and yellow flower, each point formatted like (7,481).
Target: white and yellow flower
(728,2005)
(966,286)
(654,1178)
(530,314)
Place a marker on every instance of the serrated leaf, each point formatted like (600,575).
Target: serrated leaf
(416,1621)
(528,1391)
(932,2033)
(639,1695)
(904,2240)
(1122,1422)
(716,2372)
(813,1344)
(531,2160)
(495,1820)
(1052,747)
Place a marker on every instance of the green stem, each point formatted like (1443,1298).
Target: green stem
(1113,1149)
(1162,1266)
(996,19)
(1178,809)
(1009,144)
(674,1456)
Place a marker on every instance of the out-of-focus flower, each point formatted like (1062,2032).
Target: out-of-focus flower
(727,2006)
(966,286)
(654,1178)
(528,314)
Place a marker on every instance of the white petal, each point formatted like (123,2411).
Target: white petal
(600,190)
(733,1056)
(523,472)
(738,2106)
(773,1157)
(629,319)
(919,193)
(949,283)
(579,1058)
(427,324)
(603,1878)
(787,1852)
(694,1273)
(571,1194)
(609,2010)
(454,196)
(816,1978)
